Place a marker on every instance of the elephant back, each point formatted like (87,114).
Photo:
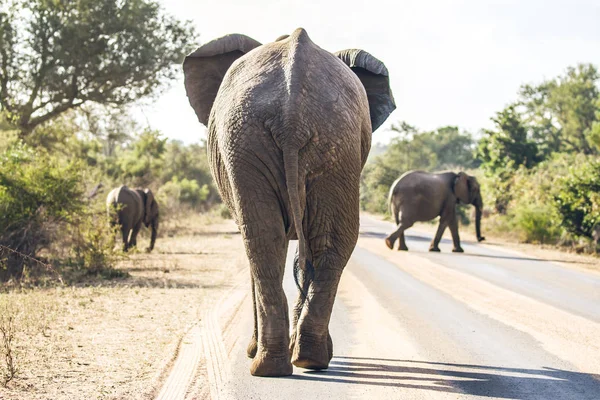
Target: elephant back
(131,204)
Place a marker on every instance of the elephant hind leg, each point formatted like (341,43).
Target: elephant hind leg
(266,253)
(398,233)
(333,230)
(125,235)
(134,233)
(263,231)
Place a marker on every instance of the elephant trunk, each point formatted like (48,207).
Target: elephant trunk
(478,212)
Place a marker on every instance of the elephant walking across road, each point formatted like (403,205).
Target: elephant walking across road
(421,196)
(129,208)
(289,131)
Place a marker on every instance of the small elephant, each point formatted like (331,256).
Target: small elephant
(129,209)
(289,131)
(422,196)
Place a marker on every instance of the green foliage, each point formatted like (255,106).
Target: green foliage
(563,114)
(508,146)
(143,161)
(37,191)
(59,55)
(536,223)
(90,241)
(42,204)
(185,191)
(186,162)
(578,198)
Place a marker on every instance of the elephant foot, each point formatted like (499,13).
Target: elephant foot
(402,248)
(329,346)
(252,348)
(481,238)
(312,355)
(389,243)
(458,250)
(435,249)
(265,365)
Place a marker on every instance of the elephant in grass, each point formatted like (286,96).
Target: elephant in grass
(129,208)
(289,131)
(422,196)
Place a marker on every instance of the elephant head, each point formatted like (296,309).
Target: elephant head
(151,215)
(467,191)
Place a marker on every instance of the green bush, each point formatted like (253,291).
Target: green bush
(184,191)
(37,192)
(42,204)
(536,224)
(578,198)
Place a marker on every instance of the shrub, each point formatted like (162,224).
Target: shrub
(37,192)
(184,191)
(41,206)
(536,224)
(578,198)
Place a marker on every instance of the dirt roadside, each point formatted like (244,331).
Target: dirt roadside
(118,339)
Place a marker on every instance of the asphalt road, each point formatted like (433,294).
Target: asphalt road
(489,323)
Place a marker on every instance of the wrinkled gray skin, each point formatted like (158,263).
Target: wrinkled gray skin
(130,208)
(422,196)
(289,130)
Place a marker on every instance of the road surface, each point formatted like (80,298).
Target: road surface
(489,323)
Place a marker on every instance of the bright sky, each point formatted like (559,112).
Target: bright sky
(450,62)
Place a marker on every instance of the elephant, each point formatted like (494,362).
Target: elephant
(289,131)
(129,209)
(422,196)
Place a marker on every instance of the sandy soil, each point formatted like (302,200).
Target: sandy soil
(117,339)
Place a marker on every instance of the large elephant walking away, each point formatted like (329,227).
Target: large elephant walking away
(129,208)
(289,130)
(421,196)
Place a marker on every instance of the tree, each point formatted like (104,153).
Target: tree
(563,114)
(508,146)
(58,55)
(143,162)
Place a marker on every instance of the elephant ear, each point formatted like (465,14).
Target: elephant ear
(205,68)
(148,206)
(474,191)
(461,187)
(375,78)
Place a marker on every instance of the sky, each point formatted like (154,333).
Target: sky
(450,62)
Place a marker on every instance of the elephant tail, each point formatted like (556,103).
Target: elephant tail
(290,162)
(392,206)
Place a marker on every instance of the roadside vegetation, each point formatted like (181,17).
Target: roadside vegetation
(69,74)
(539,167)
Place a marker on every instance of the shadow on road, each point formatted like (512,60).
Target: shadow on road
(476,380)
(415,238)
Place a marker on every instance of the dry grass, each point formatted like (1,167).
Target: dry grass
(113,339)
